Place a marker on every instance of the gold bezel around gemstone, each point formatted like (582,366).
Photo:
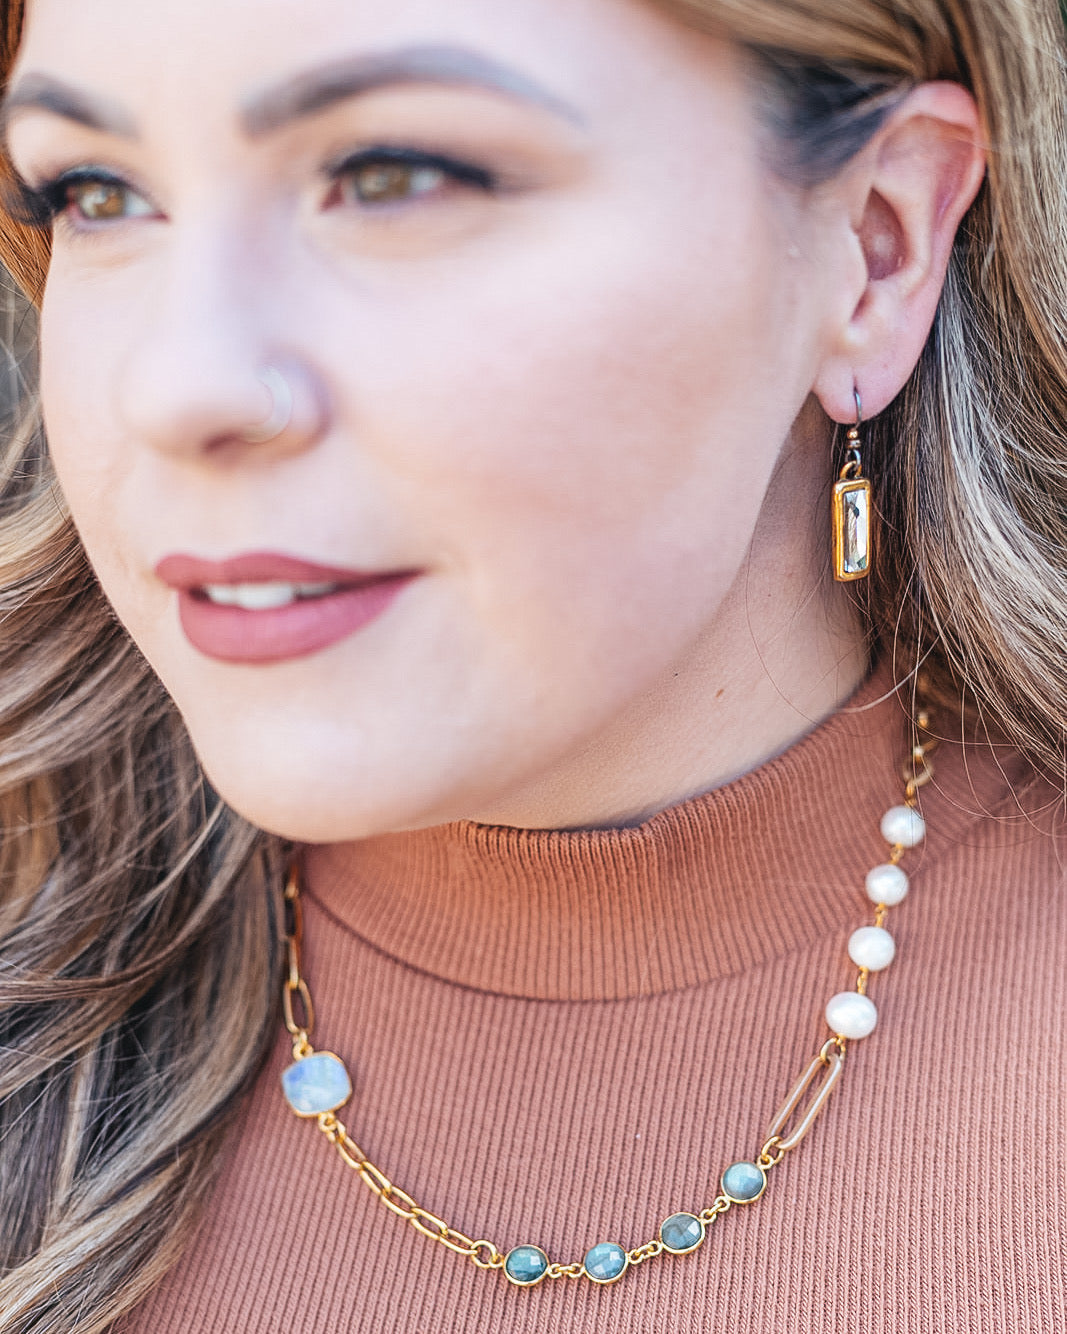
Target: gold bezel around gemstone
(526,1283)
(329,1102)
(743,1199)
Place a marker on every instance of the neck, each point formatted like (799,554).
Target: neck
(783,651)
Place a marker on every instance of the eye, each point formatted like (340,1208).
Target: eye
(100,199)
(79,198)
(384,182)
(382,176)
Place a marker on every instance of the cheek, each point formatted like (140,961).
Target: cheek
(80,354)
(599,424)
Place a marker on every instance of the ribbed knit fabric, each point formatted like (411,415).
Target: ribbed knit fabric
(562,1038)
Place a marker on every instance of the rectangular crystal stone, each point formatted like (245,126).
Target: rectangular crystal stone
(852,528)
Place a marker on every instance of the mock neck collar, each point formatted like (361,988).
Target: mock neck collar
(715,885)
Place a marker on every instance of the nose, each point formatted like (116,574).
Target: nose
(209,373)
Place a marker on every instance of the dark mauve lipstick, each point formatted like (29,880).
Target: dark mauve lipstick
(229,633)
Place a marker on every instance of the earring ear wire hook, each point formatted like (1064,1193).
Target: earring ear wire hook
(852,513)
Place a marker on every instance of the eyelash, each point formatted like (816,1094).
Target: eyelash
(39,207)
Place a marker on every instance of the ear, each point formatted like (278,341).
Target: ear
(901,202)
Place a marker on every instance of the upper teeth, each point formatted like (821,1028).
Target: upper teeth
(261,597)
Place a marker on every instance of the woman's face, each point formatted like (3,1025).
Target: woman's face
(547,320)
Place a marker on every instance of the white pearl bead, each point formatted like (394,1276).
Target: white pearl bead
(903,825)
(886,884)
(851,1015)
(871,947)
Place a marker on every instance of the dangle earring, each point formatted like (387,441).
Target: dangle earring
(851,519)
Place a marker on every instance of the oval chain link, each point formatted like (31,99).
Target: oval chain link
(648,1251)
(573,1270)
(719,1206)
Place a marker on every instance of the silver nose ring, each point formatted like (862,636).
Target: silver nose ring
(281,410)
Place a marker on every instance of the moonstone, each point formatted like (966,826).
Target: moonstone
(851,1015)
(744,1182)
(318,1083)
(681,1233)
(871,947)
(605,1262)
(904,826)
(887,884)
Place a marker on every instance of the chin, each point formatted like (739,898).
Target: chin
(326,798)
(304,812)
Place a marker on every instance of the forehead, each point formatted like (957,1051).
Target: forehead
(205,49)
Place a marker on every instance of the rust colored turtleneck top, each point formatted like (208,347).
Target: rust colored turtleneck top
(563,1037)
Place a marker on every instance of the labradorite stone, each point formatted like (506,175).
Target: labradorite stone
(605,1262)
(681,1233)
(526,1265)
(743,1182)
(318,1083)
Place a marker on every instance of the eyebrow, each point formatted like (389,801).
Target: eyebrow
(315,91)
(39,92)
(304,95)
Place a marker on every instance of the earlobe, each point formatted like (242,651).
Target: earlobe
(909,192)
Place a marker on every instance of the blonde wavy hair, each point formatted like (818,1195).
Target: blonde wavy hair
(138,916)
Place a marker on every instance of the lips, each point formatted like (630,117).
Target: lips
(263,607)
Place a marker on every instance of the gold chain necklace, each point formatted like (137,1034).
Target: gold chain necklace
(318,1084)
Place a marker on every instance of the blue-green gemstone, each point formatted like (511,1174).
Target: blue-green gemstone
(744,1182)
(606,1262)
(526,1265)
(682,1233)
(318,1083)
